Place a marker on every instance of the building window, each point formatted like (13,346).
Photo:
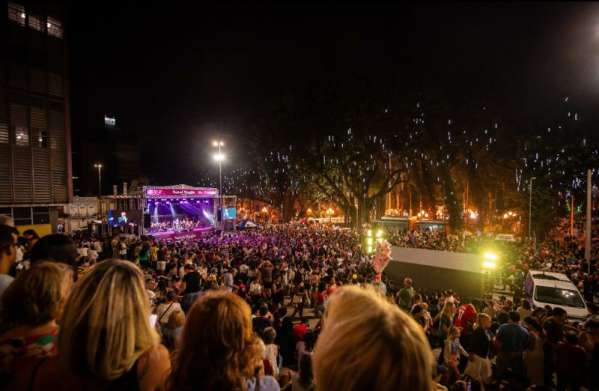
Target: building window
(54,27)
(41,215)
(21,136)
(4,133)
(35,22)
(41,138)
(22,216)
(16,13)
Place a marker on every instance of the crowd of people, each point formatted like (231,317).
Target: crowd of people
(288,307)
(557,253)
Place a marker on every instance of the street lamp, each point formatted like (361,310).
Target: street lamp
(219,157)
(99,167)
(530,207)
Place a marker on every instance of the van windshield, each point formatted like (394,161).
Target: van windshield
(559,296)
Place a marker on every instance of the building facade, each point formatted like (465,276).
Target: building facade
(35,149)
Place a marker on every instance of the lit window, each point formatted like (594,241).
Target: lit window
(41,138)
(54,27)
(21,136)
(16,13)
(35,22)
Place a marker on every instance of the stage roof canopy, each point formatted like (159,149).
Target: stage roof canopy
(179,192)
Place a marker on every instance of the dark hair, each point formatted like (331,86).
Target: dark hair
(305,370)
(514,316)
(56,247)
(31,232)
(502,317)
(269,334)
(263,310)
(557,311)
(533,324)
(526,304)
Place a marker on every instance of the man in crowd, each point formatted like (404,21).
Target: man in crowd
(406,294)
(513,340)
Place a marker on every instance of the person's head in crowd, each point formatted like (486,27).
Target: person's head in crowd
(559,314)
(526,304)
(8,247)
(57,248)
(483,321)
(367,343)
(263,310)
(449,308)
(503,318)
(105,326)
(7,220)
(269,335)
(532,324)
(31,236)
(407,282)
(37,296)
(218,350)
(514,317)
(453,333)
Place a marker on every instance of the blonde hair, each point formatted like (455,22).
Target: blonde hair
(368,343)
(105,325)
(37,295)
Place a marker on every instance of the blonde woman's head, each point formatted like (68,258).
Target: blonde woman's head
(37,296)
(105,325)
(368,343)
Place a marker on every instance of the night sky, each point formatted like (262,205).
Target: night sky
(178,76)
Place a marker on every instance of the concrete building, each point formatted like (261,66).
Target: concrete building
(35,147)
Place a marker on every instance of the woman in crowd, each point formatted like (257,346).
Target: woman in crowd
(105,341)
(30,307)
(367,343)
(479,350)
(165,309)
(218,350)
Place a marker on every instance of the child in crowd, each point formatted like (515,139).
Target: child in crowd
(453,351)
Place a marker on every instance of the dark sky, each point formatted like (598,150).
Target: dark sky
(177,76)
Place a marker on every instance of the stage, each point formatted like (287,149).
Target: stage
(179,212)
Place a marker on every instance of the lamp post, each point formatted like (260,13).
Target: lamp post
(219,157)
(99,167)
(530,207)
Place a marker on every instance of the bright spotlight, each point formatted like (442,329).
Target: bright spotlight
(490,256)
(219,157)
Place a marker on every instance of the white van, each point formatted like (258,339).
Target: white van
(556,290)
